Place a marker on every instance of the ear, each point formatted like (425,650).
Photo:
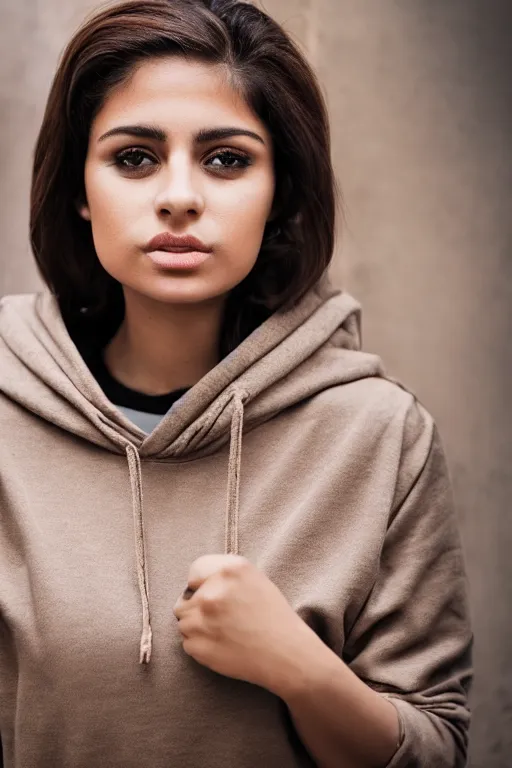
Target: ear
(83,209)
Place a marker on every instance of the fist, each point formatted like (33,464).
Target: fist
(237,622)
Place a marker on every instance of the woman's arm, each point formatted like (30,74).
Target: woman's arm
(411,644)
(341,721)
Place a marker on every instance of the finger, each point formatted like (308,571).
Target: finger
(204,567)
(186,628)
(183,602)
(200,571)
(208,565)
(182,607)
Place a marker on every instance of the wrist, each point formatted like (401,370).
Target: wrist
(333,710)
(301,666)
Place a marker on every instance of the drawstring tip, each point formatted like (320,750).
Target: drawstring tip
(146,644)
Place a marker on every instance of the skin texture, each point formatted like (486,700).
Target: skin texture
(220,191)
(239,623)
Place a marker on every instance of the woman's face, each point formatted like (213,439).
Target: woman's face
(198,173)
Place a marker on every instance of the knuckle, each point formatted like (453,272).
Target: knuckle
(212,602)
(235,566)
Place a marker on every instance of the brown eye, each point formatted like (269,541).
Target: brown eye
(229,160)
(132,159)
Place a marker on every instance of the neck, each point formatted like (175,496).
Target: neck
(161,347)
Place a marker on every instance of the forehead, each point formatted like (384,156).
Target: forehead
(178,94)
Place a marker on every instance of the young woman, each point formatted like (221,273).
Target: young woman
(164,601)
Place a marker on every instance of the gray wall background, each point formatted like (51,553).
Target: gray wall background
(419,93)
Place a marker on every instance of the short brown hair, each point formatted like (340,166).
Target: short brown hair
(277,83)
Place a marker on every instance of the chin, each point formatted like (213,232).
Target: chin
(183,288)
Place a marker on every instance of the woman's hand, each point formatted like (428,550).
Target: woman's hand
(239,624)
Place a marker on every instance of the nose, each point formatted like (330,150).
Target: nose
(179,194)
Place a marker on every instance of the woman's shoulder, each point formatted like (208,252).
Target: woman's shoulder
(381,398)
(379,414)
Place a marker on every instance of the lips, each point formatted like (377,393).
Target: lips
(165,241)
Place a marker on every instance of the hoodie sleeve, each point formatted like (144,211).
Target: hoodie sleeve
(412,641)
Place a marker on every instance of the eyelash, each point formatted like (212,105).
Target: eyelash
(121,157)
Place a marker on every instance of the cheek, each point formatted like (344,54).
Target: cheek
(245,214)
(113,209)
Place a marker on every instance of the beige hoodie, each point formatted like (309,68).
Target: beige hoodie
(340,495)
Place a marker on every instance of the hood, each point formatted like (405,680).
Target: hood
(289,357)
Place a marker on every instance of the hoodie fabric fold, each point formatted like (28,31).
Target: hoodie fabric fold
(341,495)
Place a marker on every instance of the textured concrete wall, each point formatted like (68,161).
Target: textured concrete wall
(420,98)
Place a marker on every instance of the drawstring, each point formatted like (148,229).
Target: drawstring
(142,574)
(235,460)
(232,513)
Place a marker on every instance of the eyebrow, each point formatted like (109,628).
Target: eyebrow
(201,137)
